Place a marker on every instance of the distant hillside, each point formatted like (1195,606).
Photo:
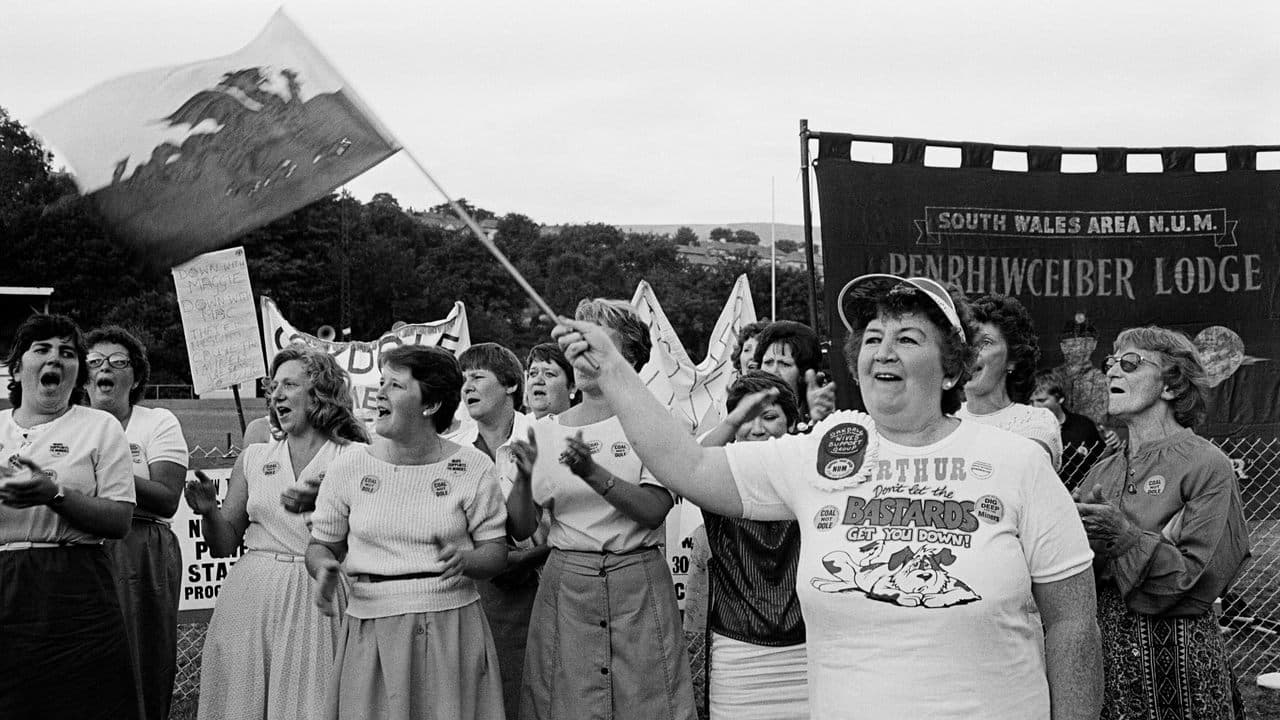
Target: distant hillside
(784,232)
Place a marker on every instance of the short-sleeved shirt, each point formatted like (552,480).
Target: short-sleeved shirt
(154,436)
(389,516)
(1035,423)
(1182,493)
(86,451)
(916,564)
(580,518)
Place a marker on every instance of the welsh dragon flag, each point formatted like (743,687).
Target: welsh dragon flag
(183,159)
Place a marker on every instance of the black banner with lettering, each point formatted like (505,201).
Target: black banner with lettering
(1089,254)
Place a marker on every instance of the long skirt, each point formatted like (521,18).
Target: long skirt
(268,650)
(148,569)
(1159,668)
(757,682)
(605,641)
(422,666)
(63,651)
(508,609)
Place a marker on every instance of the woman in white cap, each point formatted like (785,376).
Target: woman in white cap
(926,541)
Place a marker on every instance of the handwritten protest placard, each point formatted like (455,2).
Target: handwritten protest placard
(219,320)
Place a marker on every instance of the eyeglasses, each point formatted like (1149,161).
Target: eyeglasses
(119,361)
(1129,362)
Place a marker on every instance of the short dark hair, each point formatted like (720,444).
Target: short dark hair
(43,326)
(806,350)
(1049,381)
(904,299)
(501,362)
(332,414)
(1019,331)
(437,373)
(620,317)
(137,355)
(550,352)
(758,380)
(1181,371)
(747,332)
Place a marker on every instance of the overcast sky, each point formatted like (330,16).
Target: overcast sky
(684,112)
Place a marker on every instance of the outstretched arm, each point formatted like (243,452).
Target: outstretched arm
(700,474)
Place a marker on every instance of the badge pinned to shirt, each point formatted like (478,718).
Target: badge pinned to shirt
(457,466)
(843,452)
(369,484)
(620,449)
(135,450)
(271,468)
(440,487)
(1154,485)
(58,449)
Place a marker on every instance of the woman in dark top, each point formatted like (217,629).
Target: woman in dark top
(755,632)
(1082,444)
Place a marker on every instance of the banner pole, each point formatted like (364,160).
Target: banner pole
(808,223)
(488,244)
(773,250)
(235,393)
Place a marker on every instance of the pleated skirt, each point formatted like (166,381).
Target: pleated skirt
(420,666)
(757,682)
(605,641)
(268,651)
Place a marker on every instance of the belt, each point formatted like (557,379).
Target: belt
(280,557)
(149,519)
(25,545)
(387,578)
(633,551)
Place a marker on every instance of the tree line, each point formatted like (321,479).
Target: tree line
(364,265)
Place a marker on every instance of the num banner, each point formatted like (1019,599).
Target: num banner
(1088,254)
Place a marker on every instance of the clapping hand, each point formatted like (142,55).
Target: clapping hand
(820,397)
(201,493)
(301,497)
(525,453)
(1110,531)
(577,456)
(36,489)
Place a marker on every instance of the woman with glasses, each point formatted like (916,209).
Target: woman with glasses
(148,560)
(65,485)
(1165,520)
(269,650)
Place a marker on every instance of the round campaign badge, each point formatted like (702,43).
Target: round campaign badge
(989,508)
(843,452)
(1154,485)
(827,517)
(271,468)
(981,469)
(369,484)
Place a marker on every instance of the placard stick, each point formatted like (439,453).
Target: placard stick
(488,244)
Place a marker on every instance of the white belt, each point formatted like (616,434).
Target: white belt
(25,545)
(280,557)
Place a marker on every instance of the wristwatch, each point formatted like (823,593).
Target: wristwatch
(609,482)
(57,498)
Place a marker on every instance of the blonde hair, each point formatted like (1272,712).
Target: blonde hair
(620,317)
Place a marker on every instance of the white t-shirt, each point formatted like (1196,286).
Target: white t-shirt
(85,450)
(916,565)
(154,436)
(580,518)
(1034,423)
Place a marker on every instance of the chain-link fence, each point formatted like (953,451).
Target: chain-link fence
(1250,613)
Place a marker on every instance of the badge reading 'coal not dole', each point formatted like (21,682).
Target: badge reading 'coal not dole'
(843,452)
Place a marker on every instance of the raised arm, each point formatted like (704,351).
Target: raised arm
(700,474)
(223,526)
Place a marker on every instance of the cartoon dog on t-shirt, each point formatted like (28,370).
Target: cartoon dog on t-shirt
(910,578)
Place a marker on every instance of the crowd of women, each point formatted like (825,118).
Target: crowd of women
(920,557)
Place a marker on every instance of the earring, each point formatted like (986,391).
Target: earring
(426,413)
(946,385)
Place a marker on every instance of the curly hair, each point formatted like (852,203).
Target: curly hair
(905,299)
(1180,368)
(437,373)
(759,380)
(618,316)
(1019,331)
(331,411)
(137,355)
(805,348)
(43,326)
(747,332)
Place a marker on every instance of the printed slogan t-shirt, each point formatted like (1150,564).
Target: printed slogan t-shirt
(916,564)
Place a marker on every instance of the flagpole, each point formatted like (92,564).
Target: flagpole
(773,246)
(488,244)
